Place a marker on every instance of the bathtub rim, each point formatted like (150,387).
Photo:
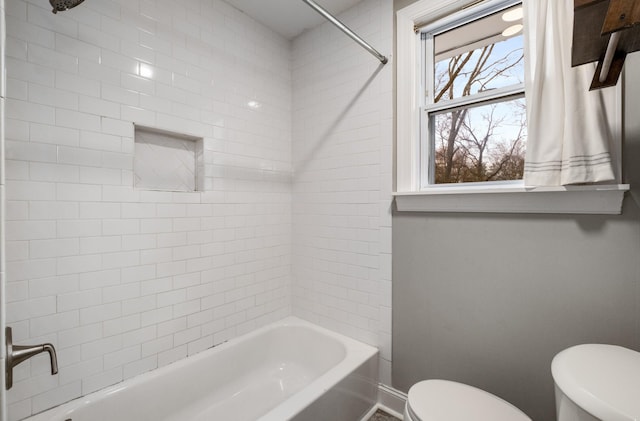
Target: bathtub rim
(356,354)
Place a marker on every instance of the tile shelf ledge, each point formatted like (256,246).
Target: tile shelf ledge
(603,199)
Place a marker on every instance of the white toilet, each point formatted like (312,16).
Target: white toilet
(442,400)
(597,382)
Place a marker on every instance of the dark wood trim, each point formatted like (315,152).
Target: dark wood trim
(622,14)
(582,3)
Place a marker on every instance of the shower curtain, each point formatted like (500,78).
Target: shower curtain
(569,135)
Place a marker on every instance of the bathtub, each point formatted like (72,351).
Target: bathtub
(289,370)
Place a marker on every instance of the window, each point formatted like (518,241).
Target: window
(473,115)
(429,34)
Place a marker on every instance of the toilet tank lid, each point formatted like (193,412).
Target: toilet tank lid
(443,400)
(604,380)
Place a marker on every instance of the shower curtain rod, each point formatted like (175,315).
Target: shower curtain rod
(346,30)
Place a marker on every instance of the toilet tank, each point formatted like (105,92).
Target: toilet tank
(567,410)
(597,382)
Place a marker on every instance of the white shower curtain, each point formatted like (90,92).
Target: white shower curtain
(569,135)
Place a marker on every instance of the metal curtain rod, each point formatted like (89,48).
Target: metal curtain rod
(346,30)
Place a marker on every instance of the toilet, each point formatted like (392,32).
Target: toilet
(443,400)
(597,382)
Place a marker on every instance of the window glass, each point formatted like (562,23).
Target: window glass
(482,135)
(479,56)
(480,143)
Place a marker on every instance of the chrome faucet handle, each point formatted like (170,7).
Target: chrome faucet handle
(19,353)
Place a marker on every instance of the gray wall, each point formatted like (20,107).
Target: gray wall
(490,299)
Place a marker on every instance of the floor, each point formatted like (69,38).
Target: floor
(380,415)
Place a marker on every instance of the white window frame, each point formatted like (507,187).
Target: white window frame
(427,104)
(473,197)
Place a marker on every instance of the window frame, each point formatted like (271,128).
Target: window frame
(428,107)
(483,196)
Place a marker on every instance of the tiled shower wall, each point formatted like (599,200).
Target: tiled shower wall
(124,280)
(3,351)
(342,154)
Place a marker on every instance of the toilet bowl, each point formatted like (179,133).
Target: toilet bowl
(443,400)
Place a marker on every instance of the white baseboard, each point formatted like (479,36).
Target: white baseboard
(375,408)
(369,414)
(391,400)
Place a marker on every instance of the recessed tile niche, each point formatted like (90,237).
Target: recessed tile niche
(167,161)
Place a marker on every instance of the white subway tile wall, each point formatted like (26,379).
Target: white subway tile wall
(342,158)
(125,280)
(3,251)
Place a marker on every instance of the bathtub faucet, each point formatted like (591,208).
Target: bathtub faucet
(19,353)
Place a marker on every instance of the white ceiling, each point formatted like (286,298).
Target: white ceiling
(289,17)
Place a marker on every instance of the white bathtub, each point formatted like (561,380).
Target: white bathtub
(290,370)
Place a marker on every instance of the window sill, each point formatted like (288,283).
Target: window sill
(592,199)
